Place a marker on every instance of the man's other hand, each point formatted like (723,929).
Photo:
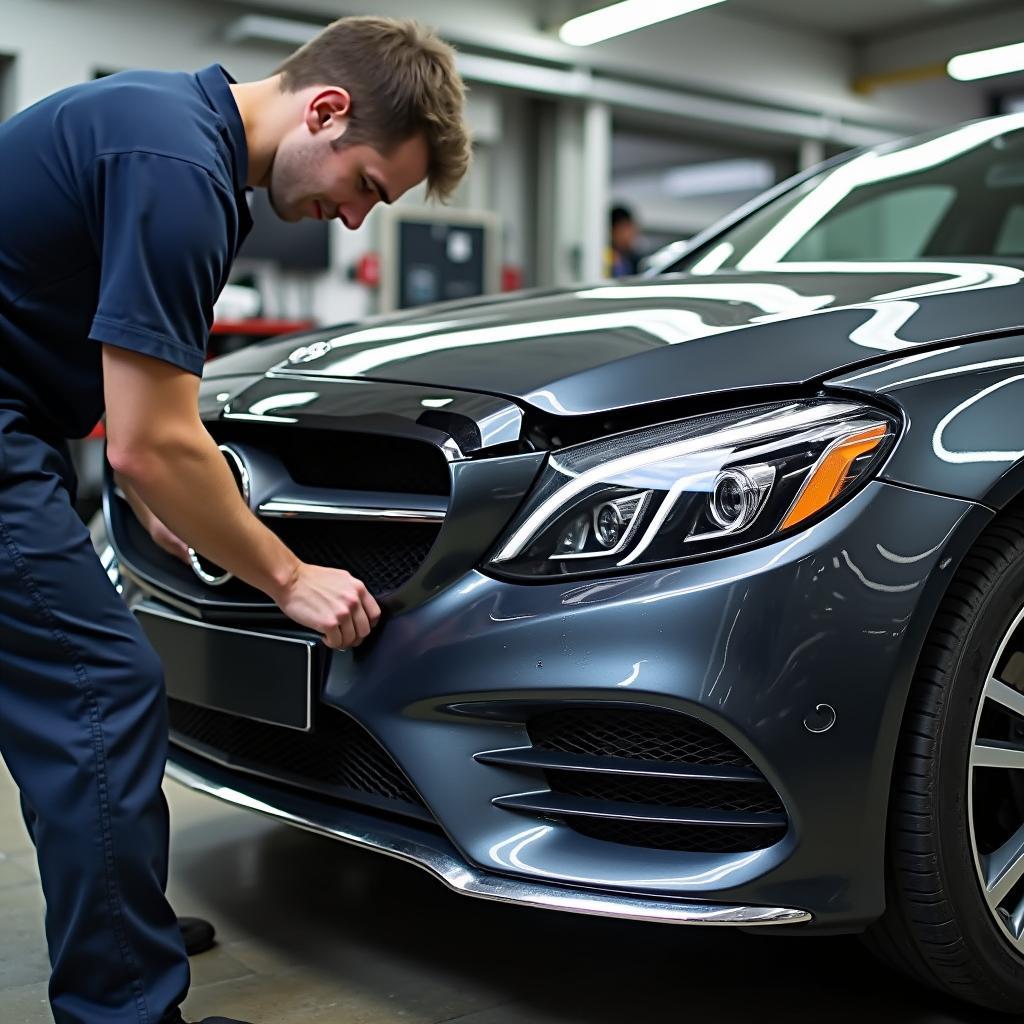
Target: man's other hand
(170,542)
(161,535)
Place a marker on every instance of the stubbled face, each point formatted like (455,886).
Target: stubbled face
(311,178)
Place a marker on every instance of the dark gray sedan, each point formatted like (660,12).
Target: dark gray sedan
(703,591)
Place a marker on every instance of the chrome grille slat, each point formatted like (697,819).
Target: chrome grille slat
(330,507)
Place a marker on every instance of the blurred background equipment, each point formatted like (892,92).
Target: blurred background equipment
(301,246)
(436,255)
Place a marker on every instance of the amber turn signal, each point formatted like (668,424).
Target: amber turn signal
(830,475)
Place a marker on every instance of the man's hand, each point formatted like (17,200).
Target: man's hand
(332,602)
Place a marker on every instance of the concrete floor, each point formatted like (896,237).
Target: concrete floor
(315,931)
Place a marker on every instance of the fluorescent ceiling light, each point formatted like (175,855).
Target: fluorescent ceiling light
(1001,60)
(623,17)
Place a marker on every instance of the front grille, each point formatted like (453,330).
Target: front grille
(338,758)
(595,803)
(383,554)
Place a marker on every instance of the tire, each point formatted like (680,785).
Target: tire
(946,816)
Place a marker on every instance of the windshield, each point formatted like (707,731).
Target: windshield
(958,194)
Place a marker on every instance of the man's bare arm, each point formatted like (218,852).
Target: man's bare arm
(157,443)
(158,531)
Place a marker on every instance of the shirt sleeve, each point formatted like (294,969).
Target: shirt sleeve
(162,225)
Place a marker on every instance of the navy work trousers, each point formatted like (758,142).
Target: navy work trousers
(83,729)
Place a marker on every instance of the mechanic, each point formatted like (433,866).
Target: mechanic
(123,206)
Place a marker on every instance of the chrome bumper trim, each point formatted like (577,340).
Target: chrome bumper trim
(464,878)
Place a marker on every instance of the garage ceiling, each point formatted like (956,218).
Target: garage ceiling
(858,21)
(864,17)
(821,47)
(857,18)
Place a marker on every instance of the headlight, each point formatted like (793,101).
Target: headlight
(693,488)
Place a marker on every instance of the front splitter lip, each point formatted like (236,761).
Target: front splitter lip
(398,842)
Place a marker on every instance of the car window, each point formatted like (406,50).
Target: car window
(1011,237)
(953,194)
(896,225)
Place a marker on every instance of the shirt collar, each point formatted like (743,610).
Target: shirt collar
(215,82)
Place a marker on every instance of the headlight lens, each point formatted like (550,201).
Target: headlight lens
(693,488)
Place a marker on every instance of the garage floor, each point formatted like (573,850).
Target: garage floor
(314,931)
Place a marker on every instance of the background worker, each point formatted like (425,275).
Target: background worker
(622,258)
(123,206)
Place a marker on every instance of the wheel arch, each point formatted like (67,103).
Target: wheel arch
(960,544)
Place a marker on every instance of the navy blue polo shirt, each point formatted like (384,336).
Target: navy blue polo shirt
(122,206)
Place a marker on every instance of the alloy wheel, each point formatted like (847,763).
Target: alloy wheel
(996,786)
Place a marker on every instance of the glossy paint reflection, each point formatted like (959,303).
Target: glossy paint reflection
(612,346)
(960,457)
(479,421)
(964,413)
(769,298)
(522,852)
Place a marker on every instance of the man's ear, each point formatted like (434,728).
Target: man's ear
(328,111)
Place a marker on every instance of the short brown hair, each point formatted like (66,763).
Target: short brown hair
(403,82)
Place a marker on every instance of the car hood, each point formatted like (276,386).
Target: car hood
(621,344)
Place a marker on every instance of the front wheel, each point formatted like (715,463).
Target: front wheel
(955,850)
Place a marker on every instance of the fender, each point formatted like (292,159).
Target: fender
(963,408)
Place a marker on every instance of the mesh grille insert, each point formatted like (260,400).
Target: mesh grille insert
(338,757)
(668,738)
(648,735)
(690,838)
(714,795)
(382,555)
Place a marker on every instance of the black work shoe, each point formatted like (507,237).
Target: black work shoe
(197,934)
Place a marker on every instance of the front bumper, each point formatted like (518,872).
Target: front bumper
(439,858)
(752,644)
